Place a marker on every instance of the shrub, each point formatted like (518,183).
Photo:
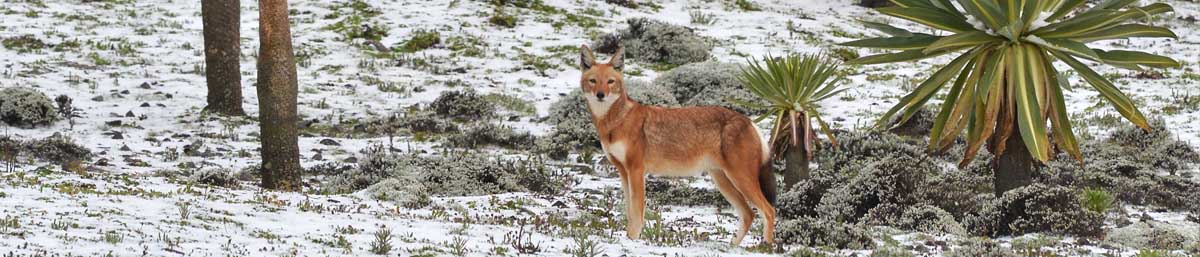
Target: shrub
(678,192)
(1129,163)
(709,83)
(1147,235)
(219,177)
(893,180)
(26,107)
(420,40)
(656,42)
(930,219)
(464,104)
(484,133)
(573,129)
(1037,208)
(499,18)
(816,232)
(455,174)
(800,200)
(57,149)
(404,191)
(23,43)
(979,246)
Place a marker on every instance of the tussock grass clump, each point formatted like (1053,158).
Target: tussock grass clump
(23,43)
(26,107)
(420,40)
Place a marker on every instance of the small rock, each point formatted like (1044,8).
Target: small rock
(98,98)
(145,85)
(118,135)
(130,114)
(124,92)
(330,142)
(113,123)
(144,104)
(126,148)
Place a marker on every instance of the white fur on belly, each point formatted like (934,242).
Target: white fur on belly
(676,169)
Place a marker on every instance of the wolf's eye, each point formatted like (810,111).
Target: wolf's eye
(610,81)
(593,81)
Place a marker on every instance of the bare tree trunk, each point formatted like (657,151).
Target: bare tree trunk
(222,52)
(1013,168)
(277,89)
(795,164)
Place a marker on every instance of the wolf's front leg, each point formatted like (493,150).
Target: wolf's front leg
(637,202)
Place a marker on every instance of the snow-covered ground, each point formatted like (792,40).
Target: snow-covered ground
(137,72)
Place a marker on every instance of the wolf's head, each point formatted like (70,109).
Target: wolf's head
(601,82)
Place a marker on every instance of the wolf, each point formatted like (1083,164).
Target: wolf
(677,142)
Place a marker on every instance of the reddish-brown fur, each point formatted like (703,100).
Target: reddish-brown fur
(640,139)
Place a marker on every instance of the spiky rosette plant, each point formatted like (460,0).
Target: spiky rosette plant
(1004,78)
(792,86)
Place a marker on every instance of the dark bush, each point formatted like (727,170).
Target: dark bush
(26,107)
(656,42)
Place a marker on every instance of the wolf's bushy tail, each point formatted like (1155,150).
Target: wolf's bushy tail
(767,182)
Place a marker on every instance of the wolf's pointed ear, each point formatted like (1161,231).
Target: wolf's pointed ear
(618,59)
(586,58)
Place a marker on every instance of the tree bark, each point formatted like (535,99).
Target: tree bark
(222,53)
(796,164)
(277,89)
(1013,168)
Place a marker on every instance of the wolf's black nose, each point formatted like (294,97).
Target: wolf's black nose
(600,95)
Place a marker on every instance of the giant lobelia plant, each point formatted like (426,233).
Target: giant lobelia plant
(793,86)
(1005,87)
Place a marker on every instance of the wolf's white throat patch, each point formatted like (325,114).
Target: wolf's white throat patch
(598,107)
